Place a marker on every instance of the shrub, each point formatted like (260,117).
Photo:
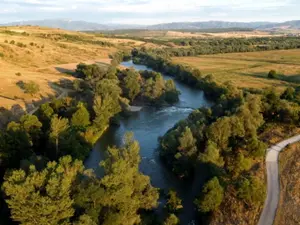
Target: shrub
(18,74)
(31,88)
(21,45)
(6,41)
(12,42)
(212,196)
(1,54)
(272,74)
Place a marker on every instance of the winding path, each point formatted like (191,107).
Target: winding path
(64,93)
(269,212)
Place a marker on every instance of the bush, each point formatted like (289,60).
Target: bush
(31,88)
(21,45)
(272,74)
(212,196)
(6,41)
(12,42)
(18,74)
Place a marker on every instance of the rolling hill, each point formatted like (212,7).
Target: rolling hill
(85,26)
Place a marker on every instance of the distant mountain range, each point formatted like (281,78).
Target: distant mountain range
(85,26)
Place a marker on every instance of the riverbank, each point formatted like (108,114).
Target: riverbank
(148,125)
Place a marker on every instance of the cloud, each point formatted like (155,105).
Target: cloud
(151,10)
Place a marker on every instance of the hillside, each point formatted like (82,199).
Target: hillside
(206,25)
(85,26)
(45,55)
(62,24)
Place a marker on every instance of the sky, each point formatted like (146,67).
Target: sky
(150,11)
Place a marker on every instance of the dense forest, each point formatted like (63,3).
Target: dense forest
(42,173)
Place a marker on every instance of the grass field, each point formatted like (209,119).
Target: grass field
(288,209)
(43,60)
(249,70)
(167,35)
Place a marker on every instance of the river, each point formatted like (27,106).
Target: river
(147,125)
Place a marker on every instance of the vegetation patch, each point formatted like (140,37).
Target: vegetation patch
(288,209)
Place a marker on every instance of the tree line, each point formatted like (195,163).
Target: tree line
(222,143)
(194,47)
(41,156)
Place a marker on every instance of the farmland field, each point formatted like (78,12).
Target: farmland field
(249,70)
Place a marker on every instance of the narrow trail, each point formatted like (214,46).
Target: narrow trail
(269,212)
(64,93)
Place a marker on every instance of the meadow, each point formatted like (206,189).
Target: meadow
(45,56)
(249,70)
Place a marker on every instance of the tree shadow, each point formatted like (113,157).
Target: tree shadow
(280,77)
(12,114)
(66,71)
(21,84)
(65,83)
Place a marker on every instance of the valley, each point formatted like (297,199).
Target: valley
(211,105)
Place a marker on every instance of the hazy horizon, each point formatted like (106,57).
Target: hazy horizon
(147,12)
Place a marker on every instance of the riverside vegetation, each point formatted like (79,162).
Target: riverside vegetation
(44,180)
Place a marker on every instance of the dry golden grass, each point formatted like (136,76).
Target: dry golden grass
(233,34)
(235,211)
(45,62)
(288,212)
(248,70)
(274,133)
(167,35)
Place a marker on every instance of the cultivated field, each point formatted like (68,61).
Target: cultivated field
(45,56)
(249,70)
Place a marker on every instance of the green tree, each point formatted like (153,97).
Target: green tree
(42,197)
(171,93)
(126,189)
(88,72)
(272,74)
(85,220)
(29,125)
(45,113)
(220,132)
(172,220)
(238,164)
(58,126)
(174,202)
(212,196)
(105,108)
(252,191)
(81,118)
(211,155)
(31,88)
(187,143)
(288,94)
(132,85)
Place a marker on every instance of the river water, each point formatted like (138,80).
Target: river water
(147,125)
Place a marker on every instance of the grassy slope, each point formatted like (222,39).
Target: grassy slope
(45,62)
(167,35)
(288,210)
(248,70)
